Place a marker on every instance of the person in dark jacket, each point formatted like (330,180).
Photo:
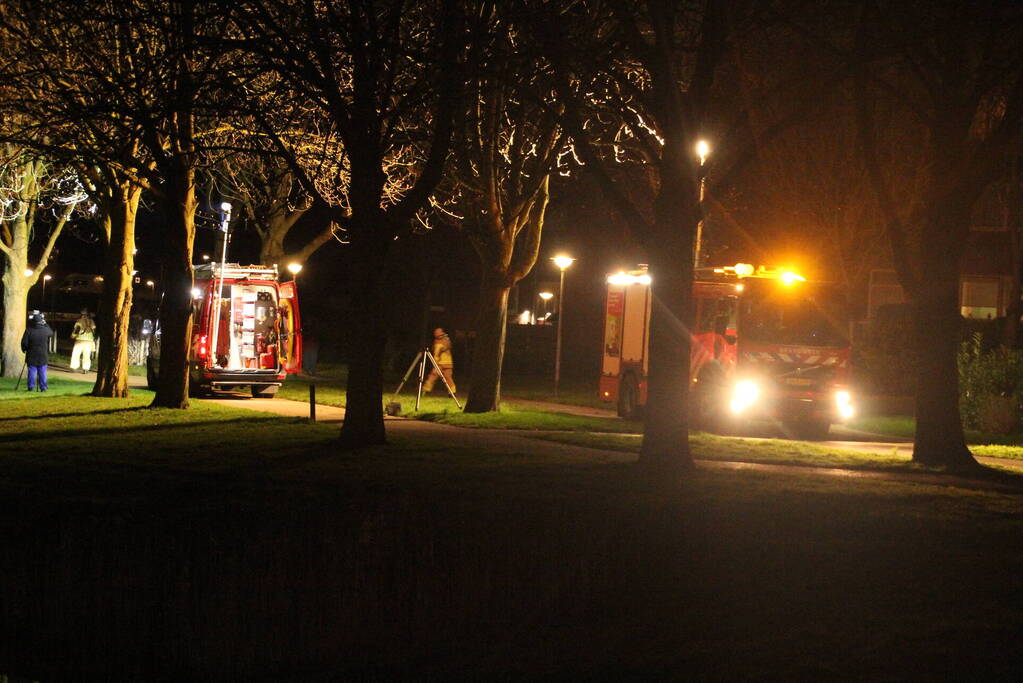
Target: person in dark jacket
(36,345)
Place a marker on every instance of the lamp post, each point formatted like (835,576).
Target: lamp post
(546,298)
(562,262)
(294,269)
(42,298)
(225,227)
(702,150)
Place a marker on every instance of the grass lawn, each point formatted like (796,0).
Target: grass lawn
(55,387)
(512,416)
(1007,445)
(438,407)
(65,360)
(571,392)
(776,452)
(217,543)
(330,389)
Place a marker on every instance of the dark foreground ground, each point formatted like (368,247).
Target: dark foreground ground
(222,547)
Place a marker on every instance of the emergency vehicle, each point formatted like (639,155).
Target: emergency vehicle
(766,344)
(246,331)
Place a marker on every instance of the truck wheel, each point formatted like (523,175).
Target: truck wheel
(150,376)
(810,430)
(264,390)
(628,399)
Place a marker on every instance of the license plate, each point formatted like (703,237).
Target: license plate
(798,381)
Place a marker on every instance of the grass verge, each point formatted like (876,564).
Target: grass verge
(513,417)
(55,387)
(905,426)
(776,452)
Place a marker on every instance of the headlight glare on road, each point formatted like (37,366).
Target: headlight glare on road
(843,401)
(746,394)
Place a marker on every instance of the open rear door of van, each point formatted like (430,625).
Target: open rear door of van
(291,328)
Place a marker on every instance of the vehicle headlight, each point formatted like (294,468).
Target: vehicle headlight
(745,394)
(843,401)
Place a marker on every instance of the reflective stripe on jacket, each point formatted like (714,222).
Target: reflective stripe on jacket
(442,351)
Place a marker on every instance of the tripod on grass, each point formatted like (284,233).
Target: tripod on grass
(420,362)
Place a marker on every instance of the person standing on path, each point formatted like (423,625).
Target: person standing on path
(84,336)
(36,345)
(442,354)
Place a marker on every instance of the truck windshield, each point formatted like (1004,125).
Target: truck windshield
(803,314)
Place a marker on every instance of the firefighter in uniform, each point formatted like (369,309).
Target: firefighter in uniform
(442,354)
(84,336)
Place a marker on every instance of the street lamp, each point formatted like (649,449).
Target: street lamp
(46,278)
(294,269)
(562,262)
(703,151)
(546,296)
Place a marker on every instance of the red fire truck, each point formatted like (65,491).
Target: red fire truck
(246,331)
(766,344)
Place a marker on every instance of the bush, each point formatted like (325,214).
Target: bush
(990,387)
(887,354)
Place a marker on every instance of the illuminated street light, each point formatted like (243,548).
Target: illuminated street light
(29,272)
(294,268)
(150,284)
(703,151)
(205,257)
(562,262)
(546,298)
(46,278)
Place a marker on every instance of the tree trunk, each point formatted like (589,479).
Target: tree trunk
(666,424)
(116,300)
(488,353)
(364,412)
(15,317)
(176,310)
(271,251)
(939,438)
(16,288)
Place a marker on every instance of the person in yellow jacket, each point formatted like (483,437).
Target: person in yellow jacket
(442,354)
(84,336)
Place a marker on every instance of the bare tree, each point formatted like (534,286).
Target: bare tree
(107,158)
(382,78)
(641,74)
(508,146)
(28,188)
(270,201)
(808,193)
(119,86)
(953,72)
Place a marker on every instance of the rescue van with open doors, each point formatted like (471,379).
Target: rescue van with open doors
(766,344)
(246,331)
